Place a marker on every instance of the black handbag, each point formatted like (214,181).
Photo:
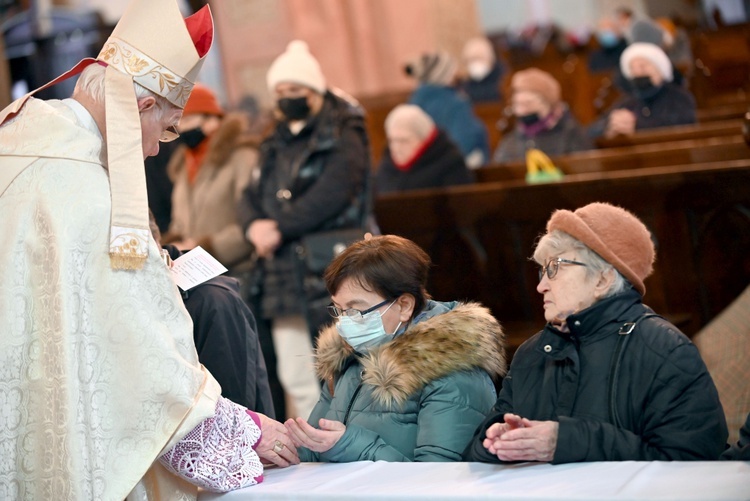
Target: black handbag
(317,250)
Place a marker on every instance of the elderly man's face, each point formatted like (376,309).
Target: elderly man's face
(642,67)
(571,290)
(156,128)
(402,142)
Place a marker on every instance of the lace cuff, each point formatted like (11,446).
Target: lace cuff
(218,454)
(256,420)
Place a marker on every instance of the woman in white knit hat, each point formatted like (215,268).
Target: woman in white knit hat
(314,169)
(654,100)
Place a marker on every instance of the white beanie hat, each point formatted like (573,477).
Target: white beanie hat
(296,65)
(649,51)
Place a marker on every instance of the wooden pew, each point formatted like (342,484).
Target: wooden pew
(722,65)
(693,151)
(720,128)
(480,237)
(495,120)
(736,109)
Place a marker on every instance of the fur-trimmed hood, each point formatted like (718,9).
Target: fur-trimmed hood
(230,135)
(465,338)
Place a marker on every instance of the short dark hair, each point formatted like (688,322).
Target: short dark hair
(388,265)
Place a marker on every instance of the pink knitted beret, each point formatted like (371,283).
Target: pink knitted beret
(615,234)
(537,81)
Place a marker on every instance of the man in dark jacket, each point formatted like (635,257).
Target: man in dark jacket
(419,155)
(484,71)
(313,177)
(226,339)
(607,379)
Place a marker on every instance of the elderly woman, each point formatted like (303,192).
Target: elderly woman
(543,121)
(210,170)
(406,378)
(653,101)
(419,155)
(607,379)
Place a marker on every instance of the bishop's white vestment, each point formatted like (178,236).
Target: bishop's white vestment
(98,370)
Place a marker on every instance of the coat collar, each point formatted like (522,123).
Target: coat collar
(465,338)
(221,145)
(600,320)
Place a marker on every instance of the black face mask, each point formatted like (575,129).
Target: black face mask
(192,138)
(643,88)
(529,119)
(294,108)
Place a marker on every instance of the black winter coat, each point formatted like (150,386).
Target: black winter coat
(486,90)
(672,105)
(441,164)
(659,403)
(226,339)
(309,182)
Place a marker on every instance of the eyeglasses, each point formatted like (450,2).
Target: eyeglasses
(353,313)
(553,265)
(169,134)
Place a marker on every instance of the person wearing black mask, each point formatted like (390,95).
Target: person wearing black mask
(209,170)
(313,175)
(543,120)
(653,100)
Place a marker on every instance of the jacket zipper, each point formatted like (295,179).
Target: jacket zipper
(354,397)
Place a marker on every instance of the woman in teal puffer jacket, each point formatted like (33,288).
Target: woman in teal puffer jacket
(406,378)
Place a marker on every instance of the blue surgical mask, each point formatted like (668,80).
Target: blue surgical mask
(367,333)
(607,38)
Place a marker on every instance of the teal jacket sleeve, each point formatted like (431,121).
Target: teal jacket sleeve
(450,410)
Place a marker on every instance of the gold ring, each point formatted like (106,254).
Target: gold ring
(278,447)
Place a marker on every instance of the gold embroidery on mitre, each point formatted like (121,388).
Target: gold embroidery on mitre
(128,248)
(147,72)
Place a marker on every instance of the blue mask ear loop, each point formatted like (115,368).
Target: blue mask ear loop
(399,323)
(397,328)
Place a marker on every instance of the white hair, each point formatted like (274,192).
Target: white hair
(91,83)
(479,48)
(411,117)
(557,242)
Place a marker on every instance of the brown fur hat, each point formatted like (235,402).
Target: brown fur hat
(615,234)
(537,81)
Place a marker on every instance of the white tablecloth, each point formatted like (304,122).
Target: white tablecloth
(630,480)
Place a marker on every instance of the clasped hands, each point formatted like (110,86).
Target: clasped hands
(620,122)
(521,439)
(265,236)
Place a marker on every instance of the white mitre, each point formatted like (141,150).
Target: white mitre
(155,46)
